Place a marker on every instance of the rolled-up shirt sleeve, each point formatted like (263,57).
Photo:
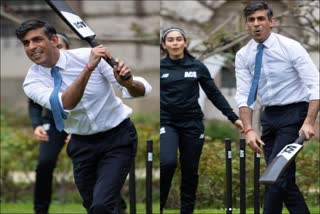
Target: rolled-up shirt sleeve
(107,71)
(38,91)
(147,87)
(244,80)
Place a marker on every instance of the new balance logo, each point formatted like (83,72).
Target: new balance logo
(165,75)
(192,74)
(162,130)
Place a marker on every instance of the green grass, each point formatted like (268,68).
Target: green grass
(313,210)
(70,208)
(7,208)
(58,208)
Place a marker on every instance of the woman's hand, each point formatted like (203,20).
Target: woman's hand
(239,125)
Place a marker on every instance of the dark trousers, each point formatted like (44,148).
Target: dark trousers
(280,127)
(189,138)
(101,163)
(48,155)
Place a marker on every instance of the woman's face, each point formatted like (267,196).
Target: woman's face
(61,44)
(175,45)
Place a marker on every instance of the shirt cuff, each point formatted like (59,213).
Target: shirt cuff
(60,101)
(147,88)
(244,104)
(314,96)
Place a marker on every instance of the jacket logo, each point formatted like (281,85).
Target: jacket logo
(162,130)
(165,75)
(192,74)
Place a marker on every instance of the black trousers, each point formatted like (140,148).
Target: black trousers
(101,163)
(188,137)
(48,155)
(281,125)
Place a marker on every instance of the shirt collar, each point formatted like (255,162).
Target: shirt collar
(60,64)
(62,61)
(268,42)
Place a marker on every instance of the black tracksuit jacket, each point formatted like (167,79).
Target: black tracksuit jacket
(36,114)
(179,90)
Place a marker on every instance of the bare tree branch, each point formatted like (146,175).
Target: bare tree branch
(9,15)
(223,48)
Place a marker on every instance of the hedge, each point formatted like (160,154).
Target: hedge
(19,153)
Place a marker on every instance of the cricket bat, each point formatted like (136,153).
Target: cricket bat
(77,25)
(282,161)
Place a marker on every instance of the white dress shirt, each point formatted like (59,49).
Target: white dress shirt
(288,74)
(99,108)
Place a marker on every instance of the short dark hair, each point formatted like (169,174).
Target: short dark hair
(29,25)
(254,6)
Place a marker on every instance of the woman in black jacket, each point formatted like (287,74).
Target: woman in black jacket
(181,125)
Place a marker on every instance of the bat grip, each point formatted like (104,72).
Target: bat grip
(300,139)
(93,43)
(111,61)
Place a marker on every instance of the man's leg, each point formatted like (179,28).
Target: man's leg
(190,147)
(285,189)
(284,127)
(48,154)
(84,159)
(273,198)
(116,154)
(169,140)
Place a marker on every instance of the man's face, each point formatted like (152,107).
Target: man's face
(175,45)
(259,26)
(39,48)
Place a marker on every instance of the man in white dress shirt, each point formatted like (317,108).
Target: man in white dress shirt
(104,140)
(288,88)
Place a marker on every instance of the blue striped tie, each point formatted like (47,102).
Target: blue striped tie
(256,76)
(57,110)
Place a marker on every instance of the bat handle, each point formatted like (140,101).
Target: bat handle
(300,139)
(111,61)
(92,41)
